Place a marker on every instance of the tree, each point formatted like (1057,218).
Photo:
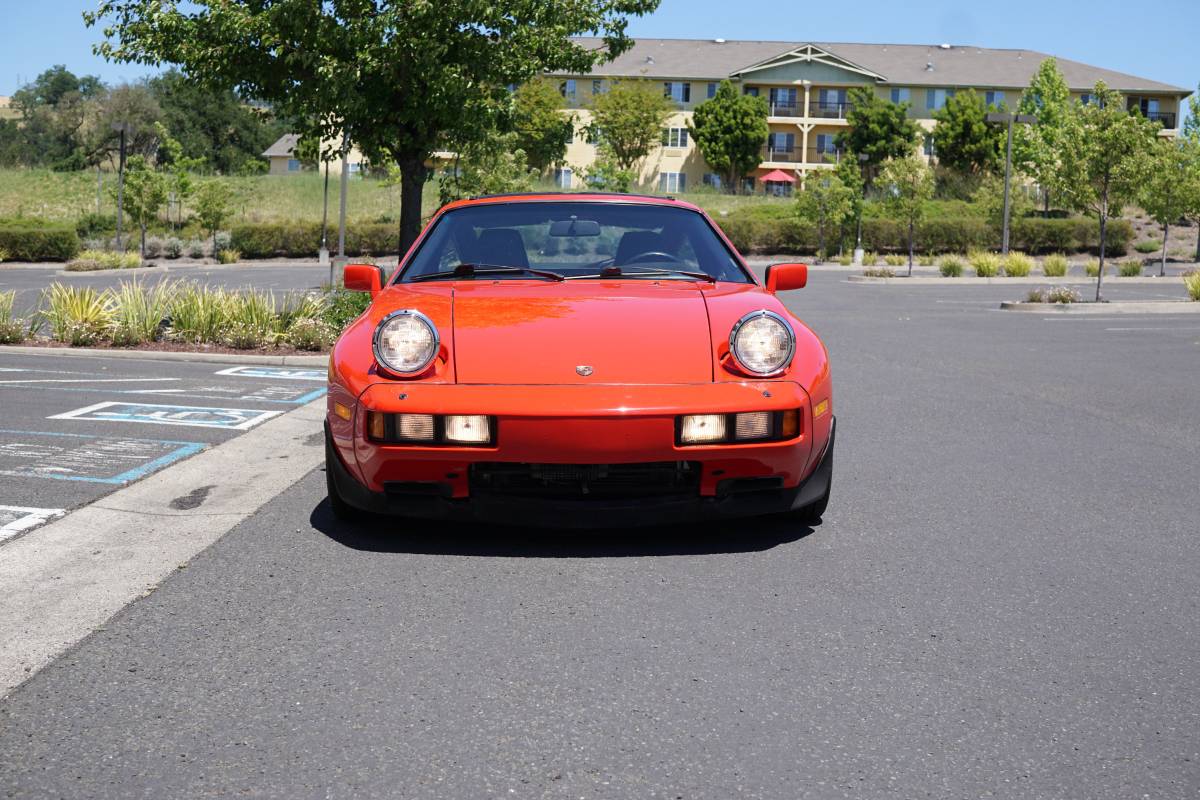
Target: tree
(828,203)
(171,157)
(145,193)
(491,166)
(54,108)
(542,129)
(603,174)
(1099,150)
(879,128)
(907,184)
(130,104)
(730,130)
(849,172)
(1170,186)
(628,119)
(1036,147)
(1191,125)
(400,78)
(990,197)
(963,139)
(212,207)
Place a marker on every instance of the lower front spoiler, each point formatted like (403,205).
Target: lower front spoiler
(582,514)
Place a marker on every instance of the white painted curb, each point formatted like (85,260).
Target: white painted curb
(63,581)
(976,281)
(1122,307)
(171,355)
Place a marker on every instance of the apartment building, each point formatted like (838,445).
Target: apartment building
(807,87)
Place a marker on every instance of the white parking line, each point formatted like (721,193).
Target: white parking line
(15,519)
(1177,328)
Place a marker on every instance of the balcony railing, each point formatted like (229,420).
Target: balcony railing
(782,155)
(1167,118)
(819,156)
(786,110)
(830,109)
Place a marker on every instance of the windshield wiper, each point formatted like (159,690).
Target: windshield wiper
(466,271)
(616,272)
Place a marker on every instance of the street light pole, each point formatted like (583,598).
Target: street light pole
(122,128)
(1009,119)
(862,196)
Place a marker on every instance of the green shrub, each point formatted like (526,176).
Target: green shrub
(1062,294)
(1091,267)
(1192,282)
(77,315)
(93,224)
(198,314)
(870,258)
(172,247)
(985,264)
(951,267)
(4,255)
(1040,235)
(299,240)
(845,259)
(12,330)
(228,256)
(26,240)
(154,247)
(763,228)
(926,260)
(343,307)
(895,260)
(195,248)
(1035,296)
(1148,246)
(1055,265)
(252,320)
(1130,269)
(139,312)
(1017,265)
(311,334)
(90,260)
(879,272)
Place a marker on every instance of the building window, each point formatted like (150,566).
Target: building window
(936,98)
(711,179)
(927,148)
(825,143)
(781,142)
(712,90)
(750,90)
(562,178)
(672,182)
(779,188)
(675,137)
(677,91)
(1086,98)
(567,89)
(994,98)
(747,185)
(901,95)
(782,100)
(293,165)
(354,168)
(598,87)
(570,131)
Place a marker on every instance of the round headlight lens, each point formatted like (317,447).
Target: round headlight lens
(762,343)
(405,342)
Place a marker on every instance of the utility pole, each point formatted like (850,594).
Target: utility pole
(345,188)
(324,252)
(858,248)
(1008,118)
(123,128)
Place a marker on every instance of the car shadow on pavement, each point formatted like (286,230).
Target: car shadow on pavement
(426,537)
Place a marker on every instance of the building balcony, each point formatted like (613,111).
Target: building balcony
(829,109)
(811,157)
(1167,118)
(781,155)
(790,110)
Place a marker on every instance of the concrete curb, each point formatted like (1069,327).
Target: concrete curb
(1122,307)
(171,355)
(1066,281)
(170,266)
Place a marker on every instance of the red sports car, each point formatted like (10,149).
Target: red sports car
(578,360)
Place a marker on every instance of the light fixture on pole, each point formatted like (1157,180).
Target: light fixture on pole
(1005,117)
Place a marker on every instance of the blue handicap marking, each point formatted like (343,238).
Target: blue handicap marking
(233,419)
(86,457)
(283,373)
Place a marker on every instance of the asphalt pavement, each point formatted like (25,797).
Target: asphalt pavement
(1002,601)
(75,429)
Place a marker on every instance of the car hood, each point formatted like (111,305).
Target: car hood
(554,333)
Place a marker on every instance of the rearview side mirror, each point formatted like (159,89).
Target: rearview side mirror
(363,278)
(784,277)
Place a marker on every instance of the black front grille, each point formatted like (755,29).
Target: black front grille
(586,481)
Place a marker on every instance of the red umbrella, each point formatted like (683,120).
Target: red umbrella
(778,175)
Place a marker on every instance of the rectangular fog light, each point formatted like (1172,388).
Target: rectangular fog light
(468,429)
(753,425)
(701,428)
(414,427)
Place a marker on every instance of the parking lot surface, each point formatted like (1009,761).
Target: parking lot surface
(75,429)
(1001,601)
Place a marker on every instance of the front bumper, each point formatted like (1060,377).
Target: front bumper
(579,427)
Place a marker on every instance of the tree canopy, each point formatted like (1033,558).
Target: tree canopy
(1036,147)
(963,138)
(542,129)
(403,80)
(907,184)
(627,121)
(879,129)
(730,129)
(1169,189)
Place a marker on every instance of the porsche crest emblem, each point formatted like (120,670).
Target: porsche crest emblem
(584,370)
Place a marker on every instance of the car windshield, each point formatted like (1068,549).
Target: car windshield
(535,240)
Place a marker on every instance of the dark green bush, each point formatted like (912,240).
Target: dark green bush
(37,240)
(1039,235)
(91,225)
(303,239)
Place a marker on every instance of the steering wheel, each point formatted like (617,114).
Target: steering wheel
(653,255)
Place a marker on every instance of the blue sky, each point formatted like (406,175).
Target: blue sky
(1155,40)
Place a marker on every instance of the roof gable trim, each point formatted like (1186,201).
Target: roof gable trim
(809,53)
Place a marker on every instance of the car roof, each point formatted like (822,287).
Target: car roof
(571,197)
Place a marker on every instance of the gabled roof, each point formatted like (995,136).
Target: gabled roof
(283,147)
(899,64)
(807,53)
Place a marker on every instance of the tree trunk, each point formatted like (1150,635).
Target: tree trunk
(412,186)
(1162,270)
(1100,271)
(910,247)
(143,247)
(1045,203)
(1197,221)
